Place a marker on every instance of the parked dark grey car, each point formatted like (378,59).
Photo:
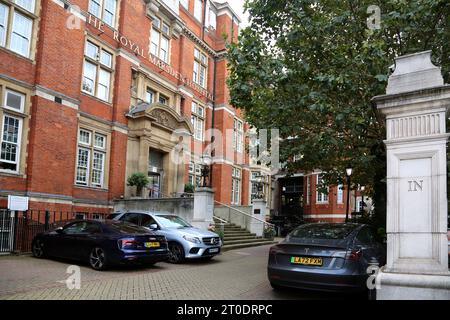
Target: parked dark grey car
(325,257)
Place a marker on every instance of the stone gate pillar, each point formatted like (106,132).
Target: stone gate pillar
(203,208)
(415,107)
(259,212)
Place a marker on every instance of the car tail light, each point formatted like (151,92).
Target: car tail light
(354,255)
(128,243)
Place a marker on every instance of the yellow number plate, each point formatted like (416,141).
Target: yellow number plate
(307,261)
(152,245)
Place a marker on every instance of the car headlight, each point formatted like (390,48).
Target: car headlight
(192,239)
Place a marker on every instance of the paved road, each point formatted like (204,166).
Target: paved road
(238,274)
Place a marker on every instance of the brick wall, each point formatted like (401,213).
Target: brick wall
(58,68)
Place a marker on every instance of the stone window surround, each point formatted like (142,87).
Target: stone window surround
(198,116)
(34,32)
(236,181)
(238,135)
(102,46)
(200,64)
(4,85)
(163,20)
(199,19)
(144,83)
(116,18)
(105,130)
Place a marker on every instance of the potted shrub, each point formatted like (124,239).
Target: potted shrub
(189,188)
(138,180)
(269,232)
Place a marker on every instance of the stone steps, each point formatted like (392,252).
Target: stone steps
(236,237)
(236,241)
(240,237)
(234,229)
(238,233)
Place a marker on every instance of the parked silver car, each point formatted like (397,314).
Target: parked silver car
(185,241)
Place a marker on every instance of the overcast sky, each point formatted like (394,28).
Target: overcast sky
(238,7)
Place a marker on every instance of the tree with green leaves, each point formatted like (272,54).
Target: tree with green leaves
(310,68)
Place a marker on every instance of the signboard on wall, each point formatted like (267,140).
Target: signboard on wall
(16,203)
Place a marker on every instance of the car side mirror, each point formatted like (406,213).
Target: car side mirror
(153,226)
(59,230)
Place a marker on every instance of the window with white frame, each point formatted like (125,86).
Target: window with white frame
(200,73)
(11,130)
(80,215)
(212,20)
(16,26)
(104,10)
(91,158)
(98,216)
(150,95)
(185,4)
(10,143)
(340,194)
(97,73)
(14,100)
(198,120)
(321,197)
(236,186)
(163,99)
(198,10)
(160,39)
(238,135)
(195,174)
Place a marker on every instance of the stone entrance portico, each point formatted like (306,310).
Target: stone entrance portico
(156,128)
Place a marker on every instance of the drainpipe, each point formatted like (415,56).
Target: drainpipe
(204,20)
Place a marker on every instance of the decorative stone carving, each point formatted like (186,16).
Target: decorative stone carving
(164,119)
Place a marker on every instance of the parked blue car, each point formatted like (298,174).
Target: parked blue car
(101,244)
(185,241)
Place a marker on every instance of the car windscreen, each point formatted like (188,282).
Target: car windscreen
(127,228)
(323,231)
(112,216)
(171,221)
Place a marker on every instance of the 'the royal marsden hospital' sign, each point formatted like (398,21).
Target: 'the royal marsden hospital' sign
(125,42)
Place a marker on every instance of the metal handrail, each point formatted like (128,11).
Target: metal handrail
(220,219)
(245,214)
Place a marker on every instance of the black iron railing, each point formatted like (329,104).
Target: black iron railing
(18,228)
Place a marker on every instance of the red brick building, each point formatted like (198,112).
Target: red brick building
(300,195)
(92,91)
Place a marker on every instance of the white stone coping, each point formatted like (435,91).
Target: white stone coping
(438,281)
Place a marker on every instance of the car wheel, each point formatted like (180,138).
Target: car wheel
(38,249)
(176,253)
(97,259)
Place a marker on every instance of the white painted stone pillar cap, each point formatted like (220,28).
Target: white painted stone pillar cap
(414,72)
